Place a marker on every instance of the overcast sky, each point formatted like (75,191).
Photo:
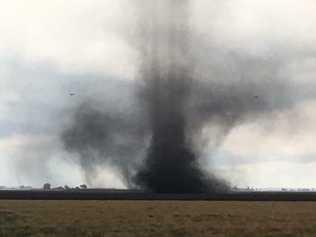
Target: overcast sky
(49,49)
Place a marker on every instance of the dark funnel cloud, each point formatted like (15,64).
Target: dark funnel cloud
(171,164)
(189,96)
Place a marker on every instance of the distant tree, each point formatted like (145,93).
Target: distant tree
(47,186)
(67,187)
(59,188)
(83,186)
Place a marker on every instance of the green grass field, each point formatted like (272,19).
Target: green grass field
(156,218)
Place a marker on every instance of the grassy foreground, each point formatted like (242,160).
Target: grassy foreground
(156,218)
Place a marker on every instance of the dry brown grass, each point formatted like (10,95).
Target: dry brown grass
(156,218)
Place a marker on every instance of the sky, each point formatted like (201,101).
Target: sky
(50,49)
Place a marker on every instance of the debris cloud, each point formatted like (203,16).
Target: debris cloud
(185,102)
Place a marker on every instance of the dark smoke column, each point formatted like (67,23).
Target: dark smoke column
(170,165)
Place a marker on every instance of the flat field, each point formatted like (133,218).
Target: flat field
(156,218)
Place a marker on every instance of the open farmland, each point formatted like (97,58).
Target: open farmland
(156,218)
